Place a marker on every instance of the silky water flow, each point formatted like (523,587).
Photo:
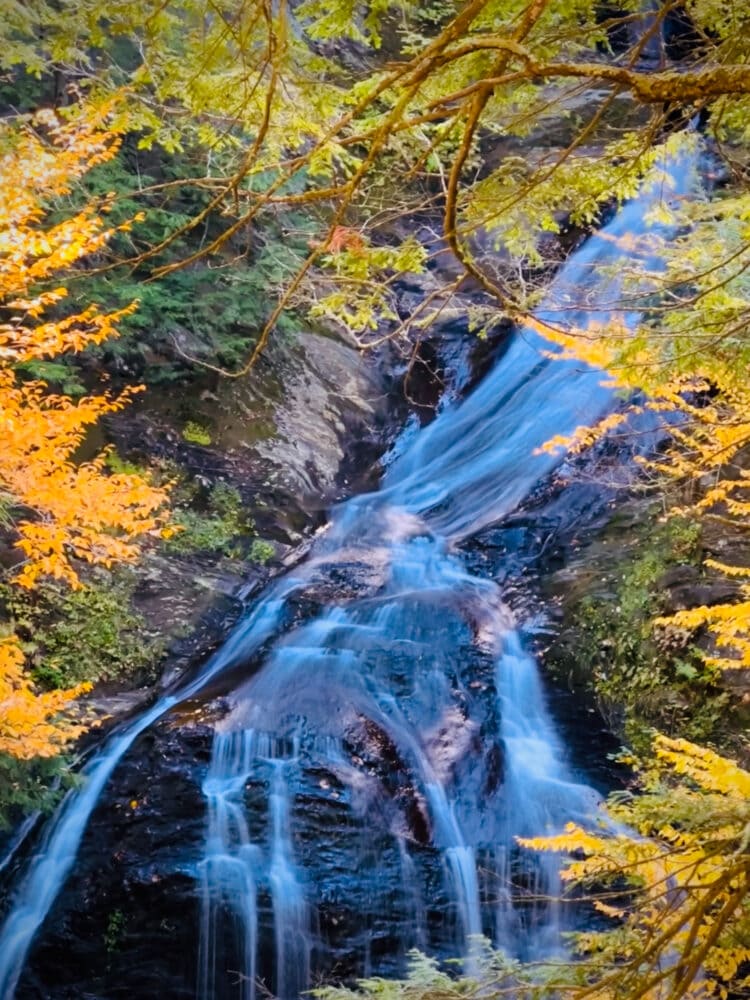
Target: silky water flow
(376,699)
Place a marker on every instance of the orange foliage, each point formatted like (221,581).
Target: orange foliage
(64,512)
(342,238)
(30,723)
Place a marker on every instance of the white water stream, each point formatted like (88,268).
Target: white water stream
(390,657)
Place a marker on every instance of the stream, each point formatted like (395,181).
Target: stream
(380,752)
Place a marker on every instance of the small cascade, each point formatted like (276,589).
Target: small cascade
(477,460)
(412,891)
(461,864)
(290,914)
(540,797)
(19,836)
(230,869)
(447,834)
(237,868)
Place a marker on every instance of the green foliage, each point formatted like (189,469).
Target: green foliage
(261,551)
(368,139)
(433,13)
(60,375)
(672,877)
(23,91)
(114,932)
(216,521)
(204,313)
(71,636)
(7,504)
(493,975)
(363,302)
(30,785)
(344,19)
(219,524)
(119,465)
(239,113)
(630,661)
(195,433)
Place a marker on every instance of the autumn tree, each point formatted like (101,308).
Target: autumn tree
(678,874)
(60,513)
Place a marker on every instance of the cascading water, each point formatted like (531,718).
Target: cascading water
(229,871)
(539,792)
(289,907)
(473,464)
(234,868)
(407,703)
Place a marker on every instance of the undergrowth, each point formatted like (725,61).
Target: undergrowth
(71,636)
(214,523)
(30,785)
(493,975)
(634,666)
(205,312)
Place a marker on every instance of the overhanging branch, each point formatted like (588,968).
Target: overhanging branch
(655,88)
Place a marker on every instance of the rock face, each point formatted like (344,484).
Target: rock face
(285,435)
(312,407)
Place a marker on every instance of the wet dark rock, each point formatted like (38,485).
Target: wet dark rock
(494,769)
(738,682)
(683,588)
(127,923)
(679,576)
(125,926)
(682,38)
(380,757)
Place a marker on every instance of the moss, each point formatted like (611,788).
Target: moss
(215,523)
(114,931)
(120,466)
(195,433)
(261,551)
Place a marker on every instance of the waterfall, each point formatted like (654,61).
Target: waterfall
(540,796)
(235,867)
(397,675)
